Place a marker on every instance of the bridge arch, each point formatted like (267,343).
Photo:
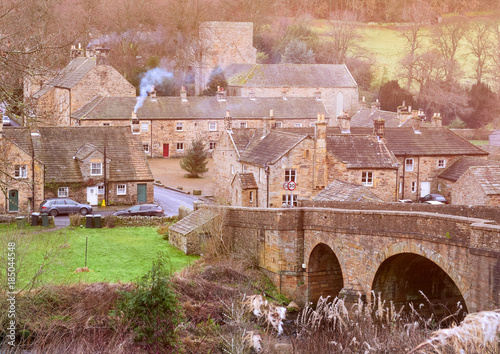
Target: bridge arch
(324,274)
(407,268)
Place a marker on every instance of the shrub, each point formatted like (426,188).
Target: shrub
(109,221)
(75,220)
(152,307)
(196,192)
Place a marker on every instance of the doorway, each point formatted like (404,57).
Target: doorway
(425,188)
(142,193)
(13,200)
(165,150)
(92,197)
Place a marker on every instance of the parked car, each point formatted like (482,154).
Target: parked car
(141,209)
(6,120)
(56,206)
(433,202)
(433,197)
(406,201)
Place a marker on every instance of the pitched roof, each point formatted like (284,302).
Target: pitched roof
(247,180)
(201,107)
(194,221)
(56,146)
(19,136)
(459,167)
(85,151)
(268,149)
(488,177)
(431,141)
(70,75)
(361,151)
(344,191)
(365,117)
(289,75)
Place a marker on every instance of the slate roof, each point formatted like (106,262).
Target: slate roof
(459,167)
(247,181)
(270,148)
(85,151)
(433,141)
(200,107)
(194,221)
(361,151)
(488,177)
(70,75)
(365,117)
(56,146)
(19,136)
(350,192)
(289,75)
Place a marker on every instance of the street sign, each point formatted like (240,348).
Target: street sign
(285,186)
(291,185)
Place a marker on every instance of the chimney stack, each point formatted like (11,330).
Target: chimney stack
(317,94)
(134,124)
(344,123)
(283,94)
(437,120)
(362,104)
(183,94)
(102,56)
(320,167)
(376,105)
(379,127)
(76,52)
(152,94)
(228,122)
(221,94)
(269,122)
(252,96)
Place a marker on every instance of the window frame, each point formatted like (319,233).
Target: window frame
(409,167)
(367,178)
(94,168)
(212,145)
(144,125)
(148,150)
(100,190)
(279,124)
(179,125)
(212,126)
(121,189)
(65,191)
(297,125)
(414,187)
(179,146)
(243,125)
(291,175)
(441,163)
(250,197)
(21,171)
(285,198)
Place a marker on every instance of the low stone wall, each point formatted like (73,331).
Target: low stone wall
(477,211)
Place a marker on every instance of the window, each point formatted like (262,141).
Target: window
(298,125)
(288,199)
(408,164)
(290,175)
(106,124)
(250,197)
(211,145)
(244,168)
(180,146)
(121,189)
(367,178)
(21,171)
(146,147)
(96,168)
(243,124)
(439,187)
(212,126)
(100,190)
(413,187)
(179,126)
(144,127)
(279,124)
(63,192)
(232,169)
(441,163)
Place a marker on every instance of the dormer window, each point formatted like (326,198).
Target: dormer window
(96,169)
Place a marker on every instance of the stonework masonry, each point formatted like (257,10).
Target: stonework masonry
(286,242)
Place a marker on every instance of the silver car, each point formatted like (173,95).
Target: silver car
(56,206)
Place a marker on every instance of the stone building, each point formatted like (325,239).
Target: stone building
(223,43)
(168,125)
(447,179)
(312,160)
(21,180)
(80,162)
(330,83)
(494,138)
(77,84)
(479,185)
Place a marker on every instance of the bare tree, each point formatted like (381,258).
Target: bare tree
(343,35)
(447,39)
(479,38)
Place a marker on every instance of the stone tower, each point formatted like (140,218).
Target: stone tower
(223,43)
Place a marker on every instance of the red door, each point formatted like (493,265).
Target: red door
(165,150)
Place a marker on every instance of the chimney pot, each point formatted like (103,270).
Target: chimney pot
(183,94)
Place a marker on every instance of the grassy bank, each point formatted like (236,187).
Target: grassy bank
(118,254)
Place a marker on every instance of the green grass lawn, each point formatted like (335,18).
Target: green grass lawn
(118,254)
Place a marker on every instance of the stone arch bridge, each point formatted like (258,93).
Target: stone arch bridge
(312,252)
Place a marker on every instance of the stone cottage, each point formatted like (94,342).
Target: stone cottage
(77,84)
(22,175)
(312,160)
(166,126)
(479,185)
(90,164)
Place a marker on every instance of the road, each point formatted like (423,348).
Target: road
(171,200)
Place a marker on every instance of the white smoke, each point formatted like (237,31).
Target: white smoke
(149,79)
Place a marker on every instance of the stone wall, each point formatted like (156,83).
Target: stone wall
(467,191)
(361,241)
